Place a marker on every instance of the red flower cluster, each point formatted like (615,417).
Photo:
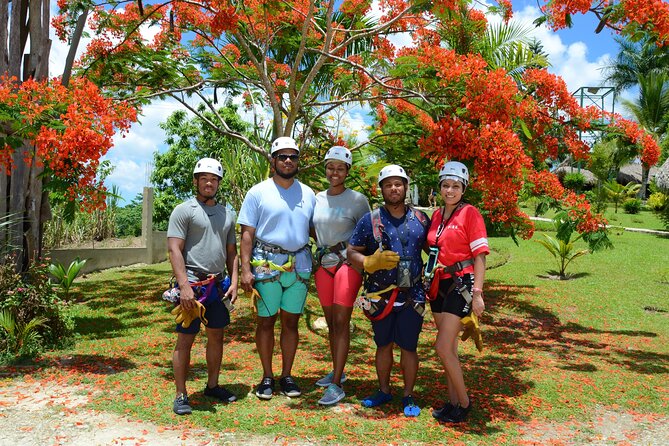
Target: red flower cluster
(71,129)
(626,16)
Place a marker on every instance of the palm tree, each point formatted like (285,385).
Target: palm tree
(635,59)
(651,110)
(508,46)
(645,65)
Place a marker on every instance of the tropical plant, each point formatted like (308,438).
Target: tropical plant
(632,206)
(657,201)
(619,193)
(563,247)
(563,251)
(30,295)
(574,181)
(65,277)
(19,339)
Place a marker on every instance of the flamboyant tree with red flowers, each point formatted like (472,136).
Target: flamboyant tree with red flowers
(294,62)
(52,131)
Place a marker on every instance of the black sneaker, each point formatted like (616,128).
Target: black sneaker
(457,415)
(221,393)
(181,406)
(289,387)
(265,389)
(445,409)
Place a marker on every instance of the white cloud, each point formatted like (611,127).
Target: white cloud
(568,61)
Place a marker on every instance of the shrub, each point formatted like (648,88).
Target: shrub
(657,201)
(632,206)
(574,181)
(30,297)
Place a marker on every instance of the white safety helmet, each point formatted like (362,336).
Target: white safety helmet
(392,170)
(208,165)
(454,170)
(339,153)
(284,142)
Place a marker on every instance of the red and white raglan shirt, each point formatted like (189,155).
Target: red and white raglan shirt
(463,237)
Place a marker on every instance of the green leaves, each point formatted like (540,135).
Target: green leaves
(19,339)
(563,251)
(66,277)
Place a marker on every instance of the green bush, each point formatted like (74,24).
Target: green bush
(574,181)
(657,201)
(30,297)
(632,206)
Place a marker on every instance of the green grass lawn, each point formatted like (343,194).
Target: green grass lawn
(554,352)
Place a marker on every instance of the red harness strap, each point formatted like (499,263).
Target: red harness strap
(388,308)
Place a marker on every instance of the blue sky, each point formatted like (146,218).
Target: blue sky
(576,54)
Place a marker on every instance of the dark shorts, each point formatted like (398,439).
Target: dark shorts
(402,326)
(452,302)
(217,314)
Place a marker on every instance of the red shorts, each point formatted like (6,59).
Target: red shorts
(346,281)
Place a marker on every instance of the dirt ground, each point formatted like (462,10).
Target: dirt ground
(42,413)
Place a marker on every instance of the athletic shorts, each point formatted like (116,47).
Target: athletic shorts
(402,326)
(342,289)
(216,313)
(452,303)
(286,293)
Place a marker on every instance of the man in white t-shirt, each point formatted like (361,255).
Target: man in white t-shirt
(275,219)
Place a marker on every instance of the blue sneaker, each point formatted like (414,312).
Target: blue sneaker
(327,379)
(410,408)
(377,399)
(333,394)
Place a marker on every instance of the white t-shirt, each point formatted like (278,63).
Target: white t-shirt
(335,217)
(281,217)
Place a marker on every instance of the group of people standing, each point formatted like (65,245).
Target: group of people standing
(381,249)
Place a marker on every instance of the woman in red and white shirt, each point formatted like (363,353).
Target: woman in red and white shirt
(458,233)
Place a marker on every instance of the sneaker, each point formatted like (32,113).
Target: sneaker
(289,387)
(333,394)
(377,399)
(446,408)
(181,406)
(265,389)
(457,415)
(410,407)
(327,379)
(221,393)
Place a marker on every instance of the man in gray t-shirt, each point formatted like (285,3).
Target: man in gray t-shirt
(201,242)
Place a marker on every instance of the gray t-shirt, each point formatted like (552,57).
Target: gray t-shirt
(206,231)
(335,217)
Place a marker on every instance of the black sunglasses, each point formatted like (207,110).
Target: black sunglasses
(283,157)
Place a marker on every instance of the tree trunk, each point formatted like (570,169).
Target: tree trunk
(645,173)
(22,199)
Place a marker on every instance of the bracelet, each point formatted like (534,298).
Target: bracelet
(477,289)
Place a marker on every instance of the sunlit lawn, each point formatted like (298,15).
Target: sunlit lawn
(554,351)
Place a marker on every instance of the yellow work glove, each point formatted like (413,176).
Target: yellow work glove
(381,260)
(472,329)
(186,317)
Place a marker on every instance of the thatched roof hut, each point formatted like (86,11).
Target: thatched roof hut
(631,173)
(662,176)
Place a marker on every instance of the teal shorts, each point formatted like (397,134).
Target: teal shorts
(286,293)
